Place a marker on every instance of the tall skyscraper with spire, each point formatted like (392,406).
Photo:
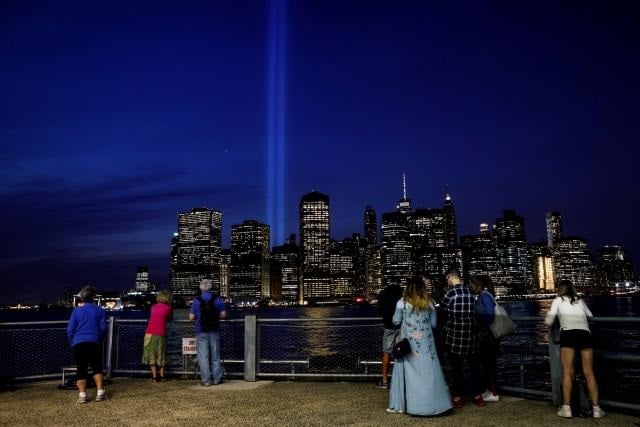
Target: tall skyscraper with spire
(314,242)
(395,235)
(404,205)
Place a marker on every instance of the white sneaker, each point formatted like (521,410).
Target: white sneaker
(101,396)
(392,411)
(564,411)
(82,399)
(597,412)
(488,396)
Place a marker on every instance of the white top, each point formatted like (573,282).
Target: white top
(572,316)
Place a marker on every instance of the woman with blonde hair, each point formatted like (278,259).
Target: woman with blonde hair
(418,386)
(154,352)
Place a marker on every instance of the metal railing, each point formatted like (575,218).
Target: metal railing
(345,348)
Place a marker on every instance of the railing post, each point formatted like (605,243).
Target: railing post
(110,345)
(554,365)
(250,347)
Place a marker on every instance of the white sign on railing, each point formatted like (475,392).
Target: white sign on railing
(188,346)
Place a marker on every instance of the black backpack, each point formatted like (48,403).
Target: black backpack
(209,316)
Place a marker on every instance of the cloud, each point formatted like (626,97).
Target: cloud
(41,215)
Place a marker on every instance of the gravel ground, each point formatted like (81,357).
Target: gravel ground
(139,402)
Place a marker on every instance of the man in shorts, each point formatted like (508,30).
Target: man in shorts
(387,301)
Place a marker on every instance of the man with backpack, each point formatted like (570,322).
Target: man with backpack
(207,310)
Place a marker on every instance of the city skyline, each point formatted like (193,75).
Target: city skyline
(115,118)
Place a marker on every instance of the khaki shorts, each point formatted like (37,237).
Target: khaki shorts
(389,339)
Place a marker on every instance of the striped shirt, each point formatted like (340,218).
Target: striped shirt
(460,329)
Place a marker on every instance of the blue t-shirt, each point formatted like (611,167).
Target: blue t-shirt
(195,307)
(88,323)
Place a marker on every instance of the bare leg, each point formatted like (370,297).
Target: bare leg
(587,370)
(385,367)
(567,355)
(99,379)
(154,372)
(162,372)
(82,386)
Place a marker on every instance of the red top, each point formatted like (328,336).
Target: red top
(160,315)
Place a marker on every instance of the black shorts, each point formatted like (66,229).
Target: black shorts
(88,354)
(576,338)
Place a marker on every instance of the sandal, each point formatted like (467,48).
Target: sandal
(154,379)
(163,379)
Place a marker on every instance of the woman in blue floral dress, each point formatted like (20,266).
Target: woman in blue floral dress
(418,386)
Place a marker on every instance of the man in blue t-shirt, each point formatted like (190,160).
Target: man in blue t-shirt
(208,333)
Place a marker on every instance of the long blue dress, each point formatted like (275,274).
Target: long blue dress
(426,389)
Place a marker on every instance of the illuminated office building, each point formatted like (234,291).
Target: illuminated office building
(372,272)
(314,242)
(250,244)
(481,257)
(142,279)
(513,251)
(544,269)
(370,226)
(396,249)
(573,262)
(287,259)
(225,272)
(197,249)
(554,228)
(615,269)
(395,236)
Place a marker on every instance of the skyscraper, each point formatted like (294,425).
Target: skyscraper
(372,273)
(450,226)
(615,268)
(287,261)
(396,249)
(513,251)
(370,227)
(481,257)
(554,228)
(573,262)
(197,246)
(250,244)
(314,242)
(142,278)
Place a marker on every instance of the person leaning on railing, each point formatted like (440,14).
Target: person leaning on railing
(154,351)
(574,335)
(86,331)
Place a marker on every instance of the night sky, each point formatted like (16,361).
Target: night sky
(114,116)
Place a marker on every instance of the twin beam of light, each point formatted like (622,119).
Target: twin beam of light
(276,120)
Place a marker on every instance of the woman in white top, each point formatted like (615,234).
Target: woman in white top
(574,335)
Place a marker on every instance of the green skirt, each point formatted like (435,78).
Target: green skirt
(154,351)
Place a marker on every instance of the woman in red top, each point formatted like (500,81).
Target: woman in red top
(154,352)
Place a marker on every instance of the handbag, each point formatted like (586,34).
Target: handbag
(401,348)
(502,324)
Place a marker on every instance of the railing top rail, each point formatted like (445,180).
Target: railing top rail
(39,322)
(177,321)
(320,319)
(310,319)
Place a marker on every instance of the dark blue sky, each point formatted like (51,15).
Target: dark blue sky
(114,116)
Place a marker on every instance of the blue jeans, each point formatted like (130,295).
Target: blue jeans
(208,349)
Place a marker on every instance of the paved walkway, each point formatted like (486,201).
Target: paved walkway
(140,402)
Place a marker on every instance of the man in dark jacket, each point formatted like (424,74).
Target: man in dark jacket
(387,301)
